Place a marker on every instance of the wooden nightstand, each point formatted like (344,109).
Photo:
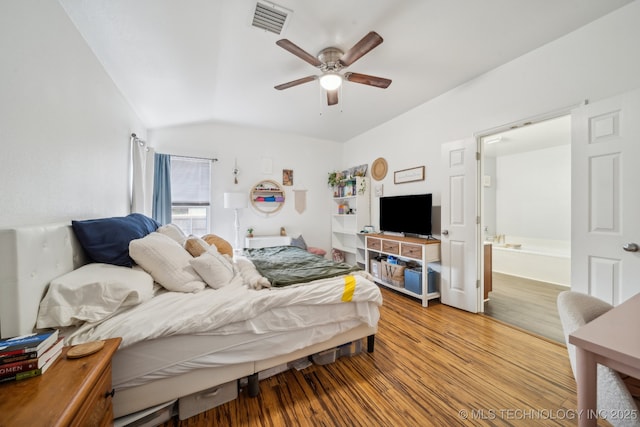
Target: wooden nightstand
(73,392)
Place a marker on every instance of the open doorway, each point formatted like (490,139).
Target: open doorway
(526,223)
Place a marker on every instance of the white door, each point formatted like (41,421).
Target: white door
(459,284)
(605,164)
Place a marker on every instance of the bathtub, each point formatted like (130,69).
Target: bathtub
(537,259)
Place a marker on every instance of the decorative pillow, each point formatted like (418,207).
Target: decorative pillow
(222,245)
(173,231)
(316,251)
(214,268)
(167,262)
(299,242)
(92,293)
(196,246)
(106,240)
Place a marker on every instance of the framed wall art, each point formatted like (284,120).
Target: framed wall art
(287,176)
(408,175)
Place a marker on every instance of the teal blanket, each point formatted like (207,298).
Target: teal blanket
(288,265)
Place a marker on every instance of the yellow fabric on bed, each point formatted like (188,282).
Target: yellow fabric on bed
(349,288)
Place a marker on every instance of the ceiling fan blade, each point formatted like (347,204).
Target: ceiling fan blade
(361,48)
(297,51)
(365,79)
(296,82)
(332,97)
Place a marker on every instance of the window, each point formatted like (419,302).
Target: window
(191,194)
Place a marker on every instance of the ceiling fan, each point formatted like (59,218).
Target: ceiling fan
(331,61)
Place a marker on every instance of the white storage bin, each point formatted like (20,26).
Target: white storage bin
(324,357)
(193,404)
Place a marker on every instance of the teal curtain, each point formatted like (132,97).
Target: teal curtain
(162,188)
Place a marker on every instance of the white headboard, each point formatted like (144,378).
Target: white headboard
(30,257)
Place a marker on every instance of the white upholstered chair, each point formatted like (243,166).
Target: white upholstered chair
(577,309)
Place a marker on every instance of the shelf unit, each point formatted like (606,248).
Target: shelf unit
(350,213)
(417,250)
(267,196)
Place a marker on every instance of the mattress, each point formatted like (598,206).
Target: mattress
(151,360)
(174,333)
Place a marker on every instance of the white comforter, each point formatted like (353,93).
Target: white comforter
(236,308)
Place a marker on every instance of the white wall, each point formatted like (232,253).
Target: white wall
(489,197)
(64,126)
(594,62)
(533,194)
(310,159)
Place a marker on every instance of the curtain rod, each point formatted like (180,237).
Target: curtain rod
(194,157)
(142,143)
(135,138)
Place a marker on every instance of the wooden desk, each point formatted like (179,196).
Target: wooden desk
(611,340)
(73,392)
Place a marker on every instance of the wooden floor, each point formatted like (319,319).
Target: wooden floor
(527,304)
(435,366)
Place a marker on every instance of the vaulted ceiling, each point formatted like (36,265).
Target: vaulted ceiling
(189,61)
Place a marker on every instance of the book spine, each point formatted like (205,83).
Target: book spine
(30,341)
(17,351)
(21,376)
(12,358)
(17,368)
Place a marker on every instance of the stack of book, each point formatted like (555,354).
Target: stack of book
(28,356)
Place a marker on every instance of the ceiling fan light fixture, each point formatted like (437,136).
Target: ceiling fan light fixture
(330,81)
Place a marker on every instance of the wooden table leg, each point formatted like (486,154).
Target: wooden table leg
(587,380)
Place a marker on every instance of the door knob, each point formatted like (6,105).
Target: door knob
(446,233)
(630,247)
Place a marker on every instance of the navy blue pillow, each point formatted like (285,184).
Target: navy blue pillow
(107,240)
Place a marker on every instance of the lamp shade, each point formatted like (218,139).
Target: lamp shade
(235,200)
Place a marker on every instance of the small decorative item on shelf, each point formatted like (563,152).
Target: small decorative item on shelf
(333,179)
(337,255)
(250,232)
(283,232)
(363,187)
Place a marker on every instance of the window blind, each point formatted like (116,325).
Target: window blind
(190,181)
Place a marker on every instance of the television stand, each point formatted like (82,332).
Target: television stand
(416,250)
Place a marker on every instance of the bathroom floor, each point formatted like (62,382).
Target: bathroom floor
(527,304)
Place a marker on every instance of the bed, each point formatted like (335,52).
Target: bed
(173,359)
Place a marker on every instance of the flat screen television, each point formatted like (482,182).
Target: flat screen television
(410,214)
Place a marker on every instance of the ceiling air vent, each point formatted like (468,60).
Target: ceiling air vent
(270,17)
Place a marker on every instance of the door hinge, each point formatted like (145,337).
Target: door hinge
(477,155)
(478,283)
(477,220)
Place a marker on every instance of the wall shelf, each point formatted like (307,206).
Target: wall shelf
(267,196)
(350,213)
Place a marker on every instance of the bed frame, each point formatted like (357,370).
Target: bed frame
(31,256)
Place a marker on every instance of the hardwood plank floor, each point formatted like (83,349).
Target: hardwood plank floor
(527,304)
(435,366)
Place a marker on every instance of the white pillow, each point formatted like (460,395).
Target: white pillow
(214,268)
(167,262)
(91,293)
(173,231)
